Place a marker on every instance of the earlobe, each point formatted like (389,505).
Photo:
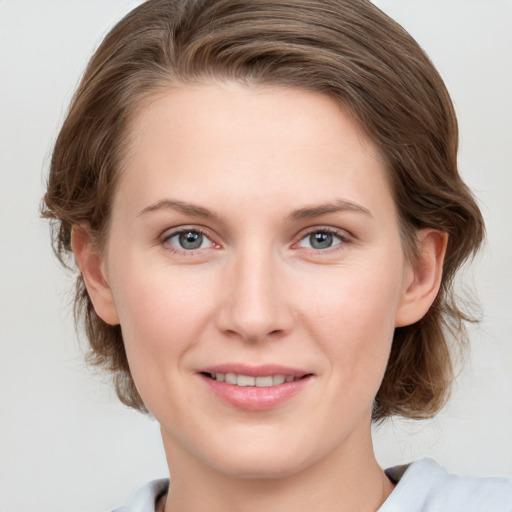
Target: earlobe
(423,283)
(91,264)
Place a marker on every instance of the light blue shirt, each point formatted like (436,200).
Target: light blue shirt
(422,486)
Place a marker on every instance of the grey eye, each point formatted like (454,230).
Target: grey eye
(190,240)
(321,240)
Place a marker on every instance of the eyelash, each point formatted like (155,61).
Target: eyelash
(340,235)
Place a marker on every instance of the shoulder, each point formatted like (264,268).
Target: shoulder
(144,500)
(424,486)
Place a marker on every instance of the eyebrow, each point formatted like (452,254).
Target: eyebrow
(181,207)
(339,205)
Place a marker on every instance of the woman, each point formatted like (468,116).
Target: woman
(263,202)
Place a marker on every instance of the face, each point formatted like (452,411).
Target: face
(255,265)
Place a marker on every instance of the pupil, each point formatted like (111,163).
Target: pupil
(320,240)
(191,240)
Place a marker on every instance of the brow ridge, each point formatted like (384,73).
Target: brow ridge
(339,205)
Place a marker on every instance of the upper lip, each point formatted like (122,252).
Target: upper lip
(255,371)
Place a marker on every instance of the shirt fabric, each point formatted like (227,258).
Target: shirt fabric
(422,486)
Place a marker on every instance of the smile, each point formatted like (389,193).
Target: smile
(248,380)
(255,388)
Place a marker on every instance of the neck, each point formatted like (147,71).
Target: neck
(347,480)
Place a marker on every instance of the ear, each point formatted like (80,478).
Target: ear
(423,277)
(90,261)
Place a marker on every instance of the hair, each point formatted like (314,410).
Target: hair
(346,49)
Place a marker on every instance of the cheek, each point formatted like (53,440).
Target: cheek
(161,313)
(353,319)
(152,296)
(353,299)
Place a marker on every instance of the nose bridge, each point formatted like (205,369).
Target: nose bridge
(256,304)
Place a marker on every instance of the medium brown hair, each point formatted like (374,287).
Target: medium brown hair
(346,49)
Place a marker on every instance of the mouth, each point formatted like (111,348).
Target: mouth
(255,388)
(264,381)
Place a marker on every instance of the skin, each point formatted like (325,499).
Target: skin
(258,292)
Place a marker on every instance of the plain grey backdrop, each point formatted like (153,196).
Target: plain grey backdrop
(66,444)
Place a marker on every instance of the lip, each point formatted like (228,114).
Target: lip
(251,398)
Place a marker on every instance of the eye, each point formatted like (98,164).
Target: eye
(321,239)
(188,240)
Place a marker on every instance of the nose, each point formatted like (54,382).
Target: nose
(256,305)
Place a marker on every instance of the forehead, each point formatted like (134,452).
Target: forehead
(193,140)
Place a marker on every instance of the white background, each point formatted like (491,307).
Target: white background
(66,444)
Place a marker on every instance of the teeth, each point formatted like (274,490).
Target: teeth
(280,379)
(264,382)
(247,380)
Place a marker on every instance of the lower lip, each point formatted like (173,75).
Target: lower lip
(252,398)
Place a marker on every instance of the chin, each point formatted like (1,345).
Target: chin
(257,468)
(263,461)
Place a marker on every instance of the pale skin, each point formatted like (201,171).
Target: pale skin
(290,254)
